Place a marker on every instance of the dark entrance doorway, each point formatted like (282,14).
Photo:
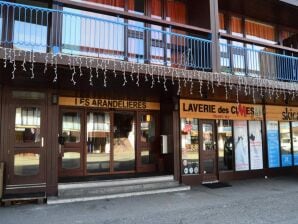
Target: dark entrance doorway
(208,151)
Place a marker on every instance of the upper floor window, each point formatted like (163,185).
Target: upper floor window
(176,11)
(260,31)
(112,4)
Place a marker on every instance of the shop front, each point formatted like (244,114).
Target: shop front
(282,136)
(107,136)
(220,141)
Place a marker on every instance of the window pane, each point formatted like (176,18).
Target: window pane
(190,146)
(112,4)
(147,128)
(27,125)
(256,147)
(285,144)
(26,95)
(71,160)
(30,27)
(273,144)
(225,145)
(241,145)
(92,35)
(124,141)
(71,127)
(98,142)
(136,32)
(295,141)
(26,164)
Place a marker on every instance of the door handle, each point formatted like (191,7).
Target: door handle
(42,142)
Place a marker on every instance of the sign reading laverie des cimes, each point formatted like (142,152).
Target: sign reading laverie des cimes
(220,110)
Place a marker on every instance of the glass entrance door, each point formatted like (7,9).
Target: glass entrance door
(208,151)
(99,142)
(124,141)
(71,153)
(27,155)
(98,138)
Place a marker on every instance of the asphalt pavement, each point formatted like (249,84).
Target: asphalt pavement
(272,200)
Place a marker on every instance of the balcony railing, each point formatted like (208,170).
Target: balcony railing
(257,62)
(76,32)
(82,33)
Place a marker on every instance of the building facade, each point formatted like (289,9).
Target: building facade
(203,90)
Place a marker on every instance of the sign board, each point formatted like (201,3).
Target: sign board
(220,110)
(108,103)
(281,113)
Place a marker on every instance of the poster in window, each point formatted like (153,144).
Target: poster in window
(190,146)
(273,144)
(255,143)
(241,145)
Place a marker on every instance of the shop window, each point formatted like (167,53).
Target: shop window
(295,141)
(273,144)
(71,127)
(27,125)
(285,144)
(71,160)
(190,146)
(98,142)
(147,128)
(26,164)
(225,145)
(255,145)
(241,145)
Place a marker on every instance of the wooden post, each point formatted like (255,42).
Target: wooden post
(214,25)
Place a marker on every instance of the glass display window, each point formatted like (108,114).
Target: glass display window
(190,146)
(225,145)
(285,143)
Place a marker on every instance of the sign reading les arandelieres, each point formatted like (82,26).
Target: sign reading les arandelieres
(108,103)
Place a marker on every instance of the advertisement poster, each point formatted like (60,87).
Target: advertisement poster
(190,146)
(255,143)
(273,144)
(241,145)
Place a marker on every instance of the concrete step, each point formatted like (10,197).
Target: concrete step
(117,182)
(61,200)
(97,190)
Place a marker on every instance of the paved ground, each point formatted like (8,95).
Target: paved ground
(273,200)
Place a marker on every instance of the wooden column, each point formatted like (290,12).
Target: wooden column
(214,25)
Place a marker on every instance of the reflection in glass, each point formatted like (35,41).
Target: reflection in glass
(190,146)
(295,141)
(71,160)
(147,128)
(26,164)
(124,141)
(285,144)
(98,142)
(71,127)
(225,145)
(208,137)
(27,125)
